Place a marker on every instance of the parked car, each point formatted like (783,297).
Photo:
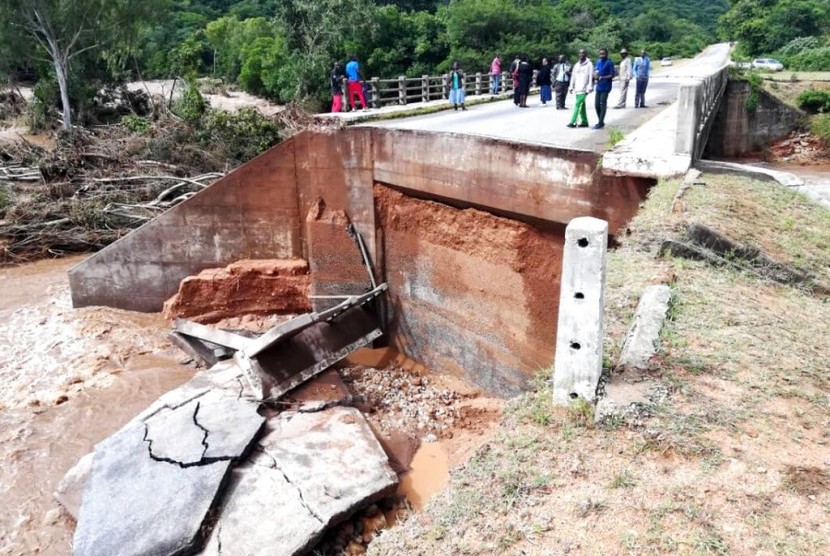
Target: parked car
(665,61)
(767,64)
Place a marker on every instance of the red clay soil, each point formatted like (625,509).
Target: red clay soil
(248,287)
(484,289)
(800,148)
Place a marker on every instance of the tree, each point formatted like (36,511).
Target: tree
(317,32)
(62,30)
(763,26)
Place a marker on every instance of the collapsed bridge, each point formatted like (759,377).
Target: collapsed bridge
(467,231)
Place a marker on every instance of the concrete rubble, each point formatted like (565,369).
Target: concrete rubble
(629,385)
(319,466)
(236,482)
(171,464)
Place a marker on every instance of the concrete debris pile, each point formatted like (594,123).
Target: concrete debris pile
(222,465)
(202,472)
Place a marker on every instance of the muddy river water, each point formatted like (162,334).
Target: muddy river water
(72,377)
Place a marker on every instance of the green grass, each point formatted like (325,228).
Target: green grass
(615,135)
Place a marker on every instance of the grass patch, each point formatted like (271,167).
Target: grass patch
(615,135)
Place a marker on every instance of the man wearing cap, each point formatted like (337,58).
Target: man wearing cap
(625,77)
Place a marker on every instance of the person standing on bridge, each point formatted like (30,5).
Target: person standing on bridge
(336,88)
(457,93)
(355,85)
(525,74)
(514,74)
(544,81)
(582,83)
(495,75)
(605,75)
(625,77)
(642,70)
(561,75)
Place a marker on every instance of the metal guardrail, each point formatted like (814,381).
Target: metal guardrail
(408,90)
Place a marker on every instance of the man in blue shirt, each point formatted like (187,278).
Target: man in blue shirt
(641,69)
(355,87)
(604,72)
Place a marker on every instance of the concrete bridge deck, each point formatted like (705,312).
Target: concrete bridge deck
(650,133)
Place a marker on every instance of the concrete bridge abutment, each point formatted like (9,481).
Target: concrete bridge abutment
(467,231)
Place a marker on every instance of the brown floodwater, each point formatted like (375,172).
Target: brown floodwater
(429,474)
(39,443)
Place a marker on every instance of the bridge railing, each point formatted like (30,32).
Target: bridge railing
(409,90)
(697,107)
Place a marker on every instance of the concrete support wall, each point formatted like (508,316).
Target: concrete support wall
(472,294)
(738,131)
(249,214)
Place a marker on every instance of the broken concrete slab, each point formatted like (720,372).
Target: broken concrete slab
(333,457)
(70,490)
(224,376)
(140,477)
(641,340)
(629,386)
(258,489)
(309,471)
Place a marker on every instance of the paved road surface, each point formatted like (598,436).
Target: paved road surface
(543,124)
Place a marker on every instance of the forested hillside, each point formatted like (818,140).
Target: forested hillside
(796,31)
(704,13)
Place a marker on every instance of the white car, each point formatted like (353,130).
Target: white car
(767,64)
(665,62)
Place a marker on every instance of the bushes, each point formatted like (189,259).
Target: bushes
(814,101)
(820,126)
(242,135)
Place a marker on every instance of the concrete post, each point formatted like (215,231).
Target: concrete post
(445,86)
(425,88)
(503,84)
(533,81)
(578,363)
(401,89)
(478,83)
(375,92)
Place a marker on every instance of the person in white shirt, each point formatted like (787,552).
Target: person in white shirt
(582,83)
(625,77)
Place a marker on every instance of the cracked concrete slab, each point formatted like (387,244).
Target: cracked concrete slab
(309,471)
(257,490)
(224,376)
(332,457)
(148,495)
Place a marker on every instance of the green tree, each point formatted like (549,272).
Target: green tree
(763,26)
(63,29)
(317,32)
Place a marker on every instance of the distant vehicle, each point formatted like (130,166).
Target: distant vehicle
(767,64)
(665,61)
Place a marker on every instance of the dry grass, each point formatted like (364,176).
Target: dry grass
(735,461)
